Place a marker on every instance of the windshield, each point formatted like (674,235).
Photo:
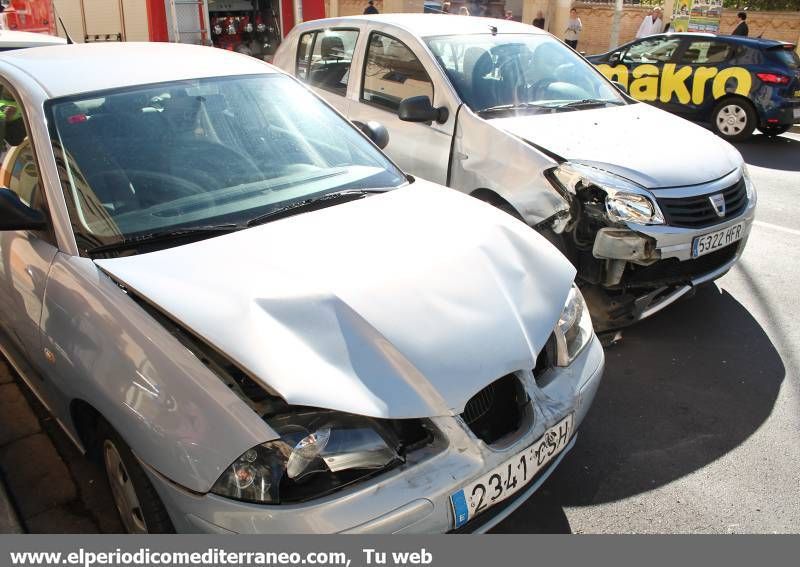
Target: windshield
(201,153)
(533,72)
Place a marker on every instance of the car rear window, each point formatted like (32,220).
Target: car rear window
(786,55)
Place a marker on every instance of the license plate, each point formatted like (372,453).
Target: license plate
(512,476)
(716,240)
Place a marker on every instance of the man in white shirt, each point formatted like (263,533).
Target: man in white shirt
(651,24)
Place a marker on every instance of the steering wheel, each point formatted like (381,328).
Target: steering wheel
(537,87)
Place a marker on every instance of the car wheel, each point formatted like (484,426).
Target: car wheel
(772,131)
(137,502)
(734,119)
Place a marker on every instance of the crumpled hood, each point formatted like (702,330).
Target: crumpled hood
(398,305)
(639,142)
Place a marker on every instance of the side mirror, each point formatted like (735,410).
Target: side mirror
(614,57)
(620,86)
(375,131)
(16,215)
(420,109)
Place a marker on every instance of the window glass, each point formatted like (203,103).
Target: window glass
(326,59)
(705,52)
(18,170)
(393,73)
(196,153)
(519,72)
(304,47)
(657,50)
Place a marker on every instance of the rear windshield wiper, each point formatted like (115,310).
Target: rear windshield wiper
(511,107)
(164,236)
(588,103)
(312,204)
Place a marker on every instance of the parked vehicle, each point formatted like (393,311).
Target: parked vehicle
(646,205)
(734,83)
(209,278)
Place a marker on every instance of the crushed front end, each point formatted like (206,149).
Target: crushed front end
(638,250)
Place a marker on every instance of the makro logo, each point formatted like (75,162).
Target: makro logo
(649,83)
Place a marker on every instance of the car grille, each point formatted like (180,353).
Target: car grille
(698,212)
(496,410)
(672,270)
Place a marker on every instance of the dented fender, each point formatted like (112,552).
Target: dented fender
(518,177)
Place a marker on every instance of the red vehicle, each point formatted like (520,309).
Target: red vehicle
(29,15)
(254,27)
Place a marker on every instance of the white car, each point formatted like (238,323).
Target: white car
(646,205)
(209,278)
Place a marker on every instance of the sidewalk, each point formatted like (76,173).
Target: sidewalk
(46,485)
(9,521)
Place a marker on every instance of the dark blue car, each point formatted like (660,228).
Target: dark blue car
(736,84)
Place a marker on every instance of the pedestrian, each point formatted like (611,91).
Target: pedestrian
(574,27)
(741,28)
(645,25)
(651,24)
(371,9)
(538,21)
(509,15)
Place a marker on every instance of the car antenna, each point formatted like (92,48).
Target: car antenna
(70,41)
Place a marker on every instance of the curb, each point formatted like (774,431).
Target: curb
(9,522)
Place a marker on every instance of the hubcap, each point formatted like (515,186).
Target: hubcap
(731,120)
(130,511)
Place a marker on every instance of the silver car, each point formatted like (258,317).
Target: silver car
(645,204)
(257,322)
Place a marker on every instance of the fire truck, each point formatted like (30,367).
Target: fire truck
(254,27)
(28,15)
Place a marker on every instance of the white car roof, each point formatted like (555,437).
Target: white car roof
(87,67)
(427,25)
(10,39)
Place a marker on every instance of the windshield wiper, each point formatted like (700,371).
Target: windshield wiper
(312,204)
(511,107)
(164,236)
(588,103)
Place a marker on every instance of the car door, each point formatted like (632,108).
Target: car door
(25,255)
(393,70)
(646,60)
(706,57)
(323,62)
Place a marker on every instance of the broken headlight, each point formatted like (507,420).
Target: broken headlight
(319,451)
(624,200)
(574,329)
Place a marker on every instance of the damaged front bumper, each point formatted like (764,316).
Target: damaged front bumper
(652,266)
(413,498)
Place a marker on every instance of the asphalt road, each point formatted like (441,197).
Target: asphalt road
(696,427)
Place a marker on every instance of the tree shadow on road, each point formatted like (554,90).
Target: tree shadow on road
(681,390)
(774,153)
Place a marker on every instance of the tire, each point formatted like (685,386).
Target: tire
(734,119)
(773,131)
(139,506)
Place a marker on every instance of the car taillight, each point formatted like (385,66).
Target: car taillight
(773,78)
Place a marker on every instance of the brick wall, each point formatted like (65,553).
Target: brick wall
(596,19)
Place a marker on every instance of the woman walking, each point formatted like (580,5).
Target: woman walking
(574,27)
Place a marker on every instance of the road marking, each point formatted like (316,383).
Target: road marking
(777,227)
